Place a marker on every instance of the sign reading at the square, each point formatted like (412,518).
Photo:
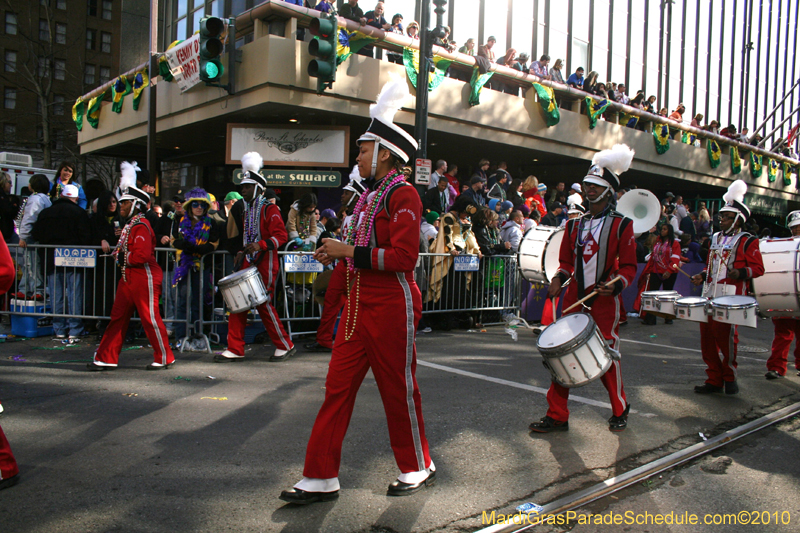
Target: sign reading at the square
(295,178)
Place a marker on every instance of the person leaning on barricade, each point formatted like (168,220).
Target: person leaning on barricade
(106,229)
(31,286)
(140,286)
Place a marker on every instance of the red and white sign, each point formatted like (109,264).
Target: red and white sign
(184,62)
(422,174)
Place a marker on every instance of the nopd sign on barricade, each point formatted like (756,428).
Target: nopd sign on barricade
(75,257)
(466,263)
(301,263)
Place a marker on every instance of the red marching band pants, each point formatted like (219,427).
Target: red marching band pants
(382,340)
(606,314)
(335,296)
(8,465)
(268,268)
(141,292)
(718,344)
(786,330)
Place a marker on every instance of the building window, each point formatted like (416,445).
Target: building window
(107,5)
(181,16)
(105,74)
(58,104)
(60,69)
(57,140)
(91,39)
(9,132)
(10,100)
(43,67)
(61,4)
(61,33)
(11,23)
(91,8)
(88,74)
(44,31)
(11,61)
(105,42)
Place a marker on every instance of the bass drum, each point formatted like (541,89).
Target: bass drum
(778,290)
(538,253)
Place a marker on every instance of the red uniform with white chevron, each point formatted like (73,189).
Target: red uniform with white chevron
(139,289)
(8,465)
(602,253)
(380,318)
(273,236)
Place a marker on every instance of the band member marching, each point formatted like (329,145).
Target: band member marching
(786,328)
(258,220)
(140,285)
(733,260)
(384,305)
(596,248)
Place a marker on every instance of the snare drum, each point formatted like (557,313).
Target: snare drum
(693,308)
(665,304)
(737,310)
(778,290)
(243,290)
(574,351)
(650,302)
(538,253)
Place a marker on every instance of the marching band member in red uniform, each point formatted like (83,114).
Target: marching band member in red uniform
(140,285)
(596,248)
(8,465)
(384,305)
(661,270)
(786,328)
(336,293)
(733,260)
(258,220)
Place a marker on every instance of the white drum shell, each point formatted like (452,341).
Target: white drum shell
(538,253)
(576,363)
(665,304)
(649,302)
(736,310)
(778,290)
(692,308)
(243,290)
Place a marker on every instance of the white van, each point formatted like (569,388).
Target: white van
(20,168)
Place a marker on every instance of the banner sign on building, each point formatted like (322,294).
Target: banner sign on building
(301,263)
(295,178)
(766,205)
(466,263)
(184,63)
(75,257)
(296,146)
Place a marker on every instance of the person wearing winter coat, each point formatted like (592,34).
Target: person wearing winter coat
(512,230)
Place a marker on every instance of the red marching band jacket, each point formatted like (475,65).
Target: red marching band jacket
(746,259)
(616,256)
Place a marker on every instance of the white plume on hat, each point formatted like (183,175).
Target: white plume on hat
(618,159)
(736,192)
(355,175)
(128,178)
(390,100)
(252,162)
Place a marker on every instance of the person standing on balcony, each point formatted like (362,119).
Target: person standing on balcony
(576,79)
(539,68)
(486,50)
(326,6)
(351,11)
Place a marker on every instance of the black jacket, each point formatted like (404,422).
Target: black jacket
(63,224)
(484,238)
(102,229)
(433,201)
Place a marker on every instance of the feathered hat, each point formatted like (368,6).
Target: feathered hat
(793,219)
(383,130)
(127,185)
(607,165)
(355,184)
(197,194)
(734,200)
(574,206)
(252,162)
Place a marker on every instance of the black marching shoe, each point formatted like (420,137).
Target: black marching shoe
(548,424)
(772,375)
(705,388)
(399,488)
(619,423)
(301,497)
(731,387)
(316,347)
(9,482)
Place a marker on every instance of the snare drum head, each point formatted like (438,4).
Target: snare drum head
(691,301)
(563,330)
(734,301)
(237,275)
(656,294)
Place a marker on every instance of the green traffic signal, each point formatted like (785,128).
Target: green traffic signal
(326,31)
(211,47)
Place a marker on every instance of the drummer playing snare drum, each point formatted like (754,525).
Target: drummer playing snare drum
(596,248)
(733,260)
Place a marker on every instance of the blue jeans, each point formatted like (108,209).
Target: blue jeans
(66,289)
(188,303)
(32,281)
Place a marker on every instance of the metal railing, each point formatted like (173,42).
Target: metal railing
(49,286)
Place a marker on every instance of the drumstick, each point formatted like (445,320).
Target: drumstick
(591,294)
(682,271)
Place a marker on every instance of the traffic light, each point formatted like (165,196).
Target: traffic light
(325,31)
(211,29)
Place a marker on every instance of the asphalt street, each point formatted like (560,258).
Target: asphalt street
(209,447)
